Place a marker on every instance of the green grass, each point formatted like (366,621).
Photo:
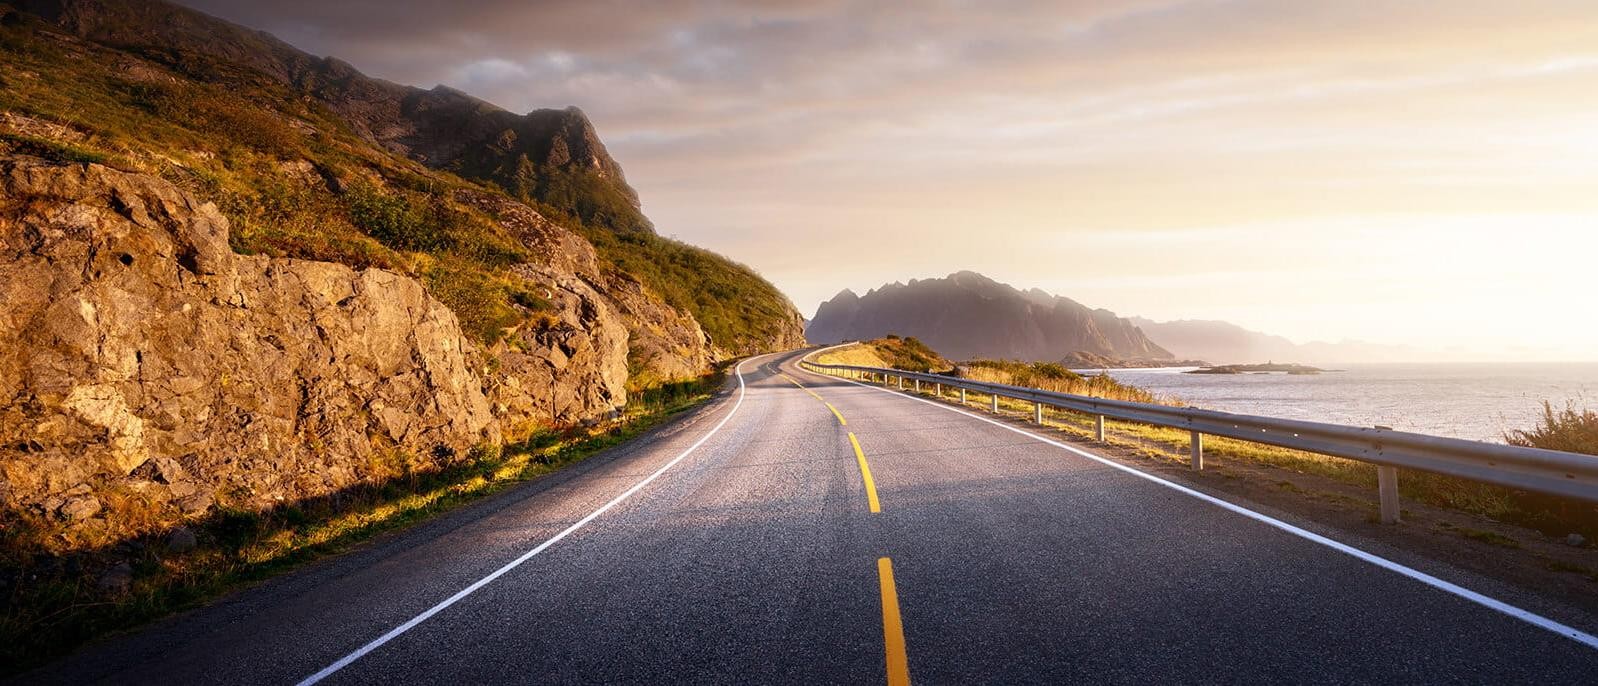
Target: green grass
(52,606)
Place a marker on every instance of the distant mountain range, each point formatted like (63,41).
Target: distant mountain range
(1220,342)
(967,315)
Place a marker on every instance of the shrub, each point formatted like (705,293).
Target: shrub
(481,300)
(394,219)
(1568,430)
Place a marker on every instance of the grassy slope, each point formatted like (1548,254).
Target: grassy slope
(892,352)
(743,313)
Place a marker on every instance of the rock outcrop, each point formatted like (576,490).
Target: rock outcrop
(630,330)
(140,355)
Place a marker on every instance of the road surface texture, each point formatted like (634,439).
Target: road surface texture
(740,546)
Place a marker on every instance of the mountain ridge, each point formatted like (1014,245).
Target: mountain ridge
(442,127)
(967,315)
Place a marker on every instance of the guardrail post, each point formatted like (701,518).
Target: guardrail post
(1037,413)
(1101,428)
(918,385)
(937,389)
(995,398)
(901,383)
(1387,492)
(962,396)
(1197,461)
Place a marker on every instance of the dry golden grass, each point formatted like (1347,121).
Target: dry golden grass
(859,355)
(1044,377)
(890,351)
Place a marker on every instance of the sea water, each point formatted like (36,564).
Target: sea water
(1477,401)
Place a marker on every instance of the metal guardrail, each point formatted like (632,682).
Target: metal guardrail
(1570,475)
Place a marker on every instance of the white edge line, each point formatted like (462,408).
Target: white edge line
(1527,616)
(424,616)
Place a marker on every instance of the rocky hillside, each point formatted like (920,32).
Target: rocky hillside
(967,315)
(553,159)
(238,275)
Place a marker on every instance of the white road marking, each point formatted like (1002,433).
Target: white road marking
(1448,587)
(418,619)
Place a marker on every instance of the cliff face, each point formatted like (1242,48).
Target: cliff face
(141,355)
(967,315)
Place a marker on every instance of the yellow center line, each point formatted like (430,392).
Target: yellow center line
(892,627)
(836,413)
(865,473)
(817,396)
(801,386)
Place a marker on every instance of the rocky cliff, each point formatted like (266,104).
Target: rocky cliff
(967,315)
(143,358)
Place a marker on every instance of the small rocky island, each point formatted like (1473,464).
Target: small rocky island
(1267,368)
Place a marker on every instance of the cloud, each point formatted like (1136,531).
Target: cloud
(886,124)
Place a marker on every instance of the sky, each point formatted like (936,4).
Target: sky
(1418,173)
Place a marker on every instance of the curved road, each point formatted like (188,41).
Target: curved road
(740,546)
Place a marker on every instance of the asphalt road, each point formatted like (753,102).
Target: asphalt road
(750,554)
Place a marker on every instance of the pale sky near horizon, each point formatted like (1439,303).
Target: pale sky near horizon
(1417,173)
